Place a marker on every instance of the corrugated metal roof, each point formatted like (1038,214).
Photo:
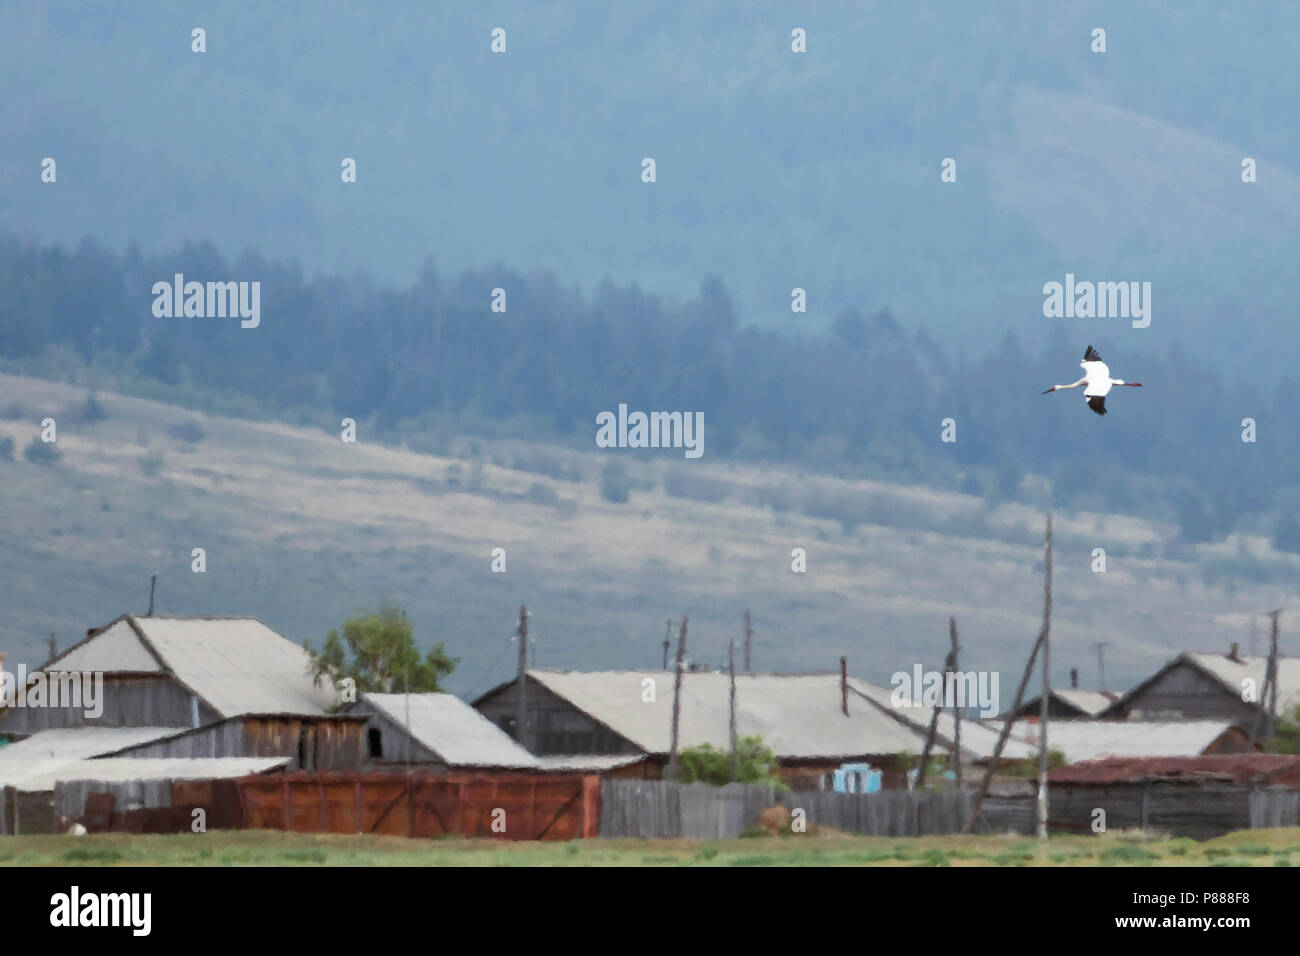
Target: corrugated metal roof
(978,738)
(1091,702)
(587,763)
(237,664)
(1232,673)
(1096,739)
(798,716)
(453,729)
(115,769)
(51,749)
(1238,768)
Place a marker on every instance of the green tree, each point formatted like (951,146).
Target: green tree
(377,650)
(1288,732)
(755,763)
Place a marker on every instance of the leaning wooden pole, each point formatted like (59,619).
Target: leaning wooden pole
(1011,714)
(677,700)
(948,664)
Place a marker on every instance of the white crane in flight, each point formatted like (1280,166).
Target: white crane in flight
(1096,376)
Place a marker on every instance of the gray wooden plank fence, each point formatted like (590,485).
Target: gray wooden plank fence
(698,811)
(1274,808)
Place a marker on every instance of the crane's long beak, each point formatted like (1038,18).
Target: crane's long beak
(1052,389)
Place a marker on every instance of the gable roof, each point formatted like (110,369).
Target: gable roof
(452,729)
(1230,673)
(1090,703)
(798,716)
(237,665)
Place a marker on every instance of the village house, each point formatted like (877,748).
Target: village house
(813,723)
(1210,686)
(212,696)
(435,733)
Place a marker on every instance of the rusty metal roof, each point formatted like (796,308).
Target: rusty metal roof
(1276,769)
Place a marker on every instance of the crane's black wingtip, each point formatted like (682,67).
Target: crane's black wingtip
(1091,355)
(1098,404)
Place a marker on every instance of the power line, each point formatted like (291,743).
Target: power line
(497,660)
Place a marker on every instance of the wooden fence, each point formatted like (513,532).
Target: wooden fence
(660,808)
(1274,808)
(514,807)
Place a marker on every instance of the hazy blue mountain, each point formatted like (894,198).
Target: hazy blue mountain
(775,170)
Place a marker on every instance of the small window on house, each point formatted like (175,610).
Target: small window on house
(376,737)
(302,750)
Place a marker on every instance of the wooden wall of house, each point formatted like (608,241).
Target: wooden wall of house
(311,744)
(396,747)
(557,726)
(127,701)
(1184,692)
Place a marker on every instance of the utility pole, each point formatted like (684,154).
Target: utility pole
(731,669)
(677,700)
(749,637)
(521,718)
(1011,714)
(1272,681)
(54,650)
(1101,662)
(668,640)
(153,581)
(956,708)
(1267,703)
(1047,688)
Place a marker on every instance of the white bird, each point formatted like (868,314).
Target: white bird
(1096,376)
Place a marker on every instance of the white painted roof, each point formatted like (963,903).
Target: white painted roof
(798,716)
(119,769)
(1096,739)
(1233,673)
(454,730)
(978,738)
(1091,702)
(587,763)
(237,664)
(50,750)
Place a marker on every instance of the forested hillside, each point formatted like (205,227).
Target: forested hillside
(420,363)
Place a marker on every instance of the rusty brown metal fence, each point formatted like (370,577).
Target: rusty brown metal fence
(510,807)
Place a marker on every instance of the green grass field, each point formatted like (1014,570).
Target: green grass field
(1279,847)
